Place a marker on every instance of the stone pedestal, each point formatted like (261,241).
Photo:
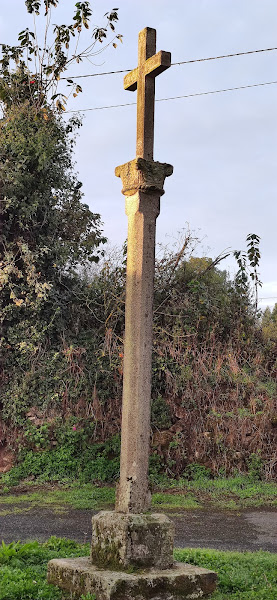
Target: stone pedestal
(131,559)
(79,576)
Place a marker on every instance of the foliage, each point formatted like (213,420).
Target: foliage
(252,256)
(197,472)
(255,466)
(46,232)
(214,381)
(41,60)
(160,413)
(65,454)
(269,326)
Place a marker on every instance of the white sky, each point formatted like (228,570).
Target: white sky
(223,147)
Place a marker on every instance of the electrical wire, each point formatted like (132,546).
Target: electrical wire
(183,62)
(241,87)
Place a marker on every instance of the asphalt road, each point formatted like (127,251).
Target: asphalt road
(248,530)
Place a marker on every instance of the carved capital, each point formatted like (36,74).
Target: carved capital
(143,175)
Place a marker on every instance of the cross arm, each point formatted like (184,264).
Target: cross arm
(158,63)
(130,80)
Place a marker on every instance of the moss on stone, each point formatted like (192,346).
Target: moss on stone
(106,555)
(120,541)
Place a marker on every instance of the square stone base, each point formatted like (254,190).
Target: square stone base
(79,576)
(121,541)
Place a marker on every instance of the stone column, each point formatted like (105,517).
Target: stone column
(142,185)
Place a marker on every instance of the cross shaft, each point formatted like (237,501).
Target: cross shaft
(142,78)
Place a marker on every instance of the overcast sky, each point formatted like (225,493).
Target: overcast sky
(223,147)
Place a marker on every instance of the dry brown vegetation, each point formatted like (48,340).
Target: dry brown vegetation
(214,370)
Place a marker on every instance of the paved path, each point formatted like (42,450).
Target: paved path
(255,530)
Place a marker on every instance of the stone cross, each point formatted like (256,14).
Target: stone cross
(131,552)
(143,181)
(143,79)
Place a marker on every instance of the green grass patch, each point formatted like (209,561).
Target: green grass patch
(241,490)
(234,493)
(237,493)
(23,568)
(241,576)
(167,501)
(84,496)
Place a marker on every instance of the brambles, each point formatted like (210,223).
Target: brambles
(214,380)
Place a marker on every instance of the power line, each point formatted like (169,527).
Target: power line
(183,62)
(96,74)
(241,87)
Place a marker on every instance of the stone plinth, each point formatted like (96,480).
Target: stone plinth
(123,541)
(131,559)
(182,581)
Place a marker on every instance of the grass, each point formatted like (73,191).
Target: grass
(23,568)
(168,501)
(236,493)
(86,496)
(241,576)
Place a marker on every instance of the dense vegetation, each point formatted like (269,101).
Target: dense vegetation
(246,576)
(214,376)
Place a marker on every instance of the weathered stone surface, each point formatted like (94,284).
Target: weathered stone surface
(180,582)
(143,79)
(121,541)
(133,495)
(143,181)
(145,175)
